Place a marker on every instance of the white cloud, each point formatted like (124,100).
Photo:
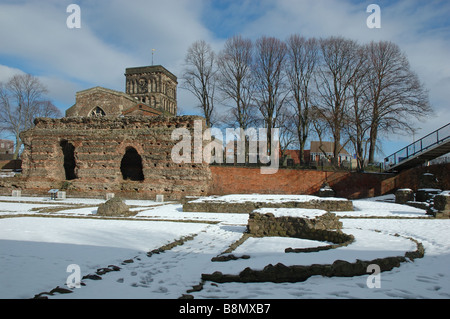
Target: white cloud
(7,72)
(39,36)
(117,34)
(113,35)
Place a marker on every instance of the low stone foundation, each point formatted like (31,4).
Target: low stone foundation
(442,205)
(325,227)
(298,273)
(281,273)
(435,201)
(221,205)
(312,225)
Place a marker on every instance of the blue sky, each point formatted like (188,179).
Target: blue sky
(116,34)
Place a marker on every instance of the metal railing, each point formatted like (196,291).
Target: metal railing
(419,146)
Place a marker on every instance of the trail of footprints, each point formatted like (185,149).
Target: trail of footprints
(170,270)
(179,268)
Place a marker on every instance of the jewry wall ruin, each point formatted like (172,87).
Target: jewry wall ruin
(130,156)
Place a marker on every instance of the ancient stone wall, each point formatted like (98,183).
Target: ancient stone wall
(324,227)
(128,155)
(246,207)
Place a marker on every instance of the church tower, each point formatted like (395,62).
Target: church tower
(154,86)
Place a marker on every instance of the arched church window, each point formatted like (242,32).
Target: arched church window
(97,112)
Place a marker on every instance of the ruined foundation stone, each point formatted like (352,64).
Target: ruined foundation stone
(324,226)
(442,205)
(114,207)
(129,156)
(428,180)
(404,195)
(326,191)
(426,194)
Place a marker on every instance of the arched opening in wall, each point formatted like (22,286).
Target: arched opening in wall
(97,112)
(69,159)
(131,165)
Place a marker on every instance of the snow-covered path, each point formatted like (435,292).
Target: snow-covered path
(165,275)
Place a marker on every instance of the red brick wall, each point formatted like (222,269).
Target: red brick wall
(411,178)
(243,180)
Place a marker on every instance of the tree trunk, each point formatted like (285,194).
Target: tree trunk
(18,146)
(372,143)
(336,148)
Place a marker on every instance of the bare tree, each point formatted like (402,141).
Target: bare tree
(321,128)
(335,76)
(22,99)
(302,59)
(395,92)
(358,116)
(268,70)
(236,84)
(199,77)
(287,130)
(235,79)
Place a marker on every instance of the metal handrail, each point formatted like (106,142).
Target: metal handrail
(410,150)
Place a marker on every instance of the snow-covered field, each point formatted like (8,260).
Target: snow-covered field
(36,250)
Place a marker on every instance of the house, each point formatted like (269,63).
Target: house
(324,150)
(6,149)
(317,153)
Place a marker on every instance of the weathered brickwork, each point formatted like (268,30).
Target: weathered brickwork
(129,155)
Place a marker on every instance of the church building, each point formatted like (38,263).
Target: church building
(149,91)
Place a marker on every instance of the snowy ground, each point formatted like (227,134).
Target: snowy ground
(35,252)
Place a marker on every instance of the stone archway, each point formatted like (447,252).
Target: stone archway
(69,159)
(131,165)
